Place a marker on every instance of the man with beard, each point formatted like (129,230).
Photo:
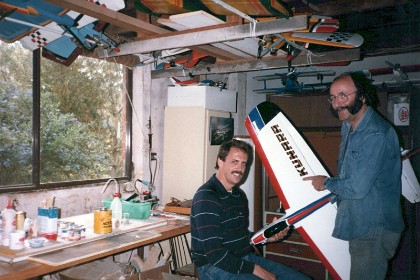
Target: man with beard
(368,184)
(220,240)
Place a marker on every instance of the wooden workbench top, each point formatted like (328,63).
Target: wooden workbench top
(30,269)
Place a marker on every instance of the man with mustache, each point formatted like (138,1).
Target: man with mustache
(368,184)
(220,240)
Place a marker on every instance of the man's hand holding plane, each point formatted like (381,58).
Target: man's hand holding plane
(317,182)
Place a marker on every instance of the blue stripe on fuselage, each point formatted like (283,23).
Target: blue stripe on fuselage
(255,118)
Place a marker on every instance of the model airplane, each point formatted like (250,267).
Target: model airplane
(321,31)
(291,84)
(34,13)
(160,57)
(269,230)
(400,78)
(287,159)
(410,184)
(191,82)
(194,82)
(187,61)
(41,24)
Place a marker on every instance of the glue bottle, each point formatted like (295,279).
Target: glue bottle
(116,208)
(8,222)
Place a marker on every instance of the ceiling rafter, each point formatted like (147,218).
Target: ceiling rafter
(260,64)
(204,36)
(119,19)
(130,23)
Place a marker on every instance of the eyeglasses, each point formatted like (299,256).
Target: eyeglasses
(342,97)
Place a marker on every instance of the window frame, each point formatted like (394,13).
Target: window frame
(36,126)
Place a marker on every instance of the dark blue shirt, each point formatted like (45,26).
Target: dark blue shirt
(368,186)
(219,228)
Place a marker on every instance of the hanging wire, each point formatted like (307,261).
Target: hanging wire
(127,95)
(253,22)
(153,173)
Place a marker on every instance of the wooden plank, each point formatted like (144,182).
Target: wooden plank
(12,256)
(203,36)
(80,251)
(243,48)
(30,269)
(178,210)
(119,19)
(260,64)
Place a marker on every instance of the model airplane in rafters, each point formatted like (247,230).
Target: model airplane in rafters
(188,60)
(194,82)
(59,32)
(291,84)
(399,78)
(321,31)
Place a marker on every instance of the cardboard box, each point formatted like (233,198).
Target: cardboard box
(167,276)
(211,98)
(108,270)
(177,210)
(155,273)
(103,269)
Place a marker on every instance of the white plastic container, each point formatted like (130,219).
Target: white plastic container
(116,208)
(8,223)
(17,240)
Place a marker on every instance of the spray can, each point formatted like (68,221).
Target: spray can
(8,223)
(20,220)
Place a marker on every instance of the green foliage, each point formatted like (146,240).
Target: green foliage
(15,136)
(81,119)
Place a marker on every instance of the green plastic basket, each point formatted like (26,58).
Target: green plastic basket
(137,210)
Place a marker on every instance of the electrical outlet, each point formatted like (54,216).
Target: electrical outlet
(153,156)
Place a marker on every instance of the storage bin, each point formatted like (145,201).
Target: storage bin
(137,210)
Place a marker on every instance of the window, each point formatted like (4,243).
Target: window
(15,114)
(72,128)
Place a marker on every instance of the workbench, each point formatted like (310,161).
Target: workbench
(32,269)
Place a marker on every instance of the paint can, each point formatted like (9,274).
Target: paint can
(102,222)
(20,220)
(17,240)
(74,234)
(62,225)
(64,233)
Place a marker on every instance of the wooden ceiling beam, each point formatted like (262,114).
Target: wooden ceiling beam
(336,8)
(109,16)
(344,55)
(209,35)
(142,28)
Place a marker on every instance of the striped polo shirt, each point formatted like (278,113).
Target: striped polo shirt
(219,228)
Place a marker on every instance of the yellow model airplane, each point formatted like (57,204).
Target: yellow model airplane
(321,31)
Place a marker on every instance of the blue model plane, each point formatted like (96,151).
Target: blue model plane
(291,84)
(61,33)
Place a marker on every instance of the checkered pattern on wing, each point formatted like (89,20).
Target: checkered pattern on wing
(38,39)
(339,37)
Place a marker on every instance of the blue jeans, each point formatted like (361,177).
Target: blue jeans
(370,254)
(210,272)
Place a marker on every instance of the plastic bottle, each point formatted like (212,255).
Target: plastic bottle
(116,208)
(8,223)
